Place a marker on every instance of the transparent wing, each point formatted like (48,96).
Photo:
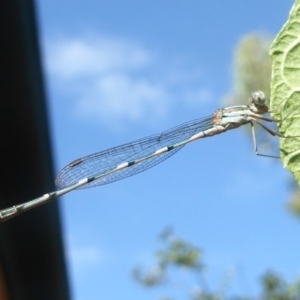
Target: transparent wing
(107,160)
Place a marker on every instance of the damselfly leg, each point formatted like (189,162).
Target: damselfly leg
(269,130)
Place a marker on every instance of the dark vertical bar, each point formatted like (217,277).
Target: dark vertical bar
(31,249)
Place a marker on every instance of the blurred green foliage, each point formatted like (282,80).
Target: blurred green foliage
(181,255)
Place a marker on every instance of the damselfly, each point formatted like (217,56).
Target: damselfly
(129,159)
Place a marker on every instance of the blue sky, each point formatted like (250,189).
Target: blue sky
(120,70)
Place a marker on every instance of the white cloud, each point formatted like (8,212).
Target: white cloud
(118,96)
(89,55)
(112,79)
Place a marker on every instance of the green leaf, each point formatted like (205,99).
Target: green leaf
(285,89)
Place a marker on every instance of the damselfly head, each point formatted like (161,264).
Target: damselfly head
(258,98)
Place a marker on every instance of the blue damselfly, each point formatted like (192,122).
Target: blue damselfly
(132,158)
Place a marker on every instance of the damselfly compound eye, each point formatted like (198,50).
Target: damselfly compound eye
(258,98)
